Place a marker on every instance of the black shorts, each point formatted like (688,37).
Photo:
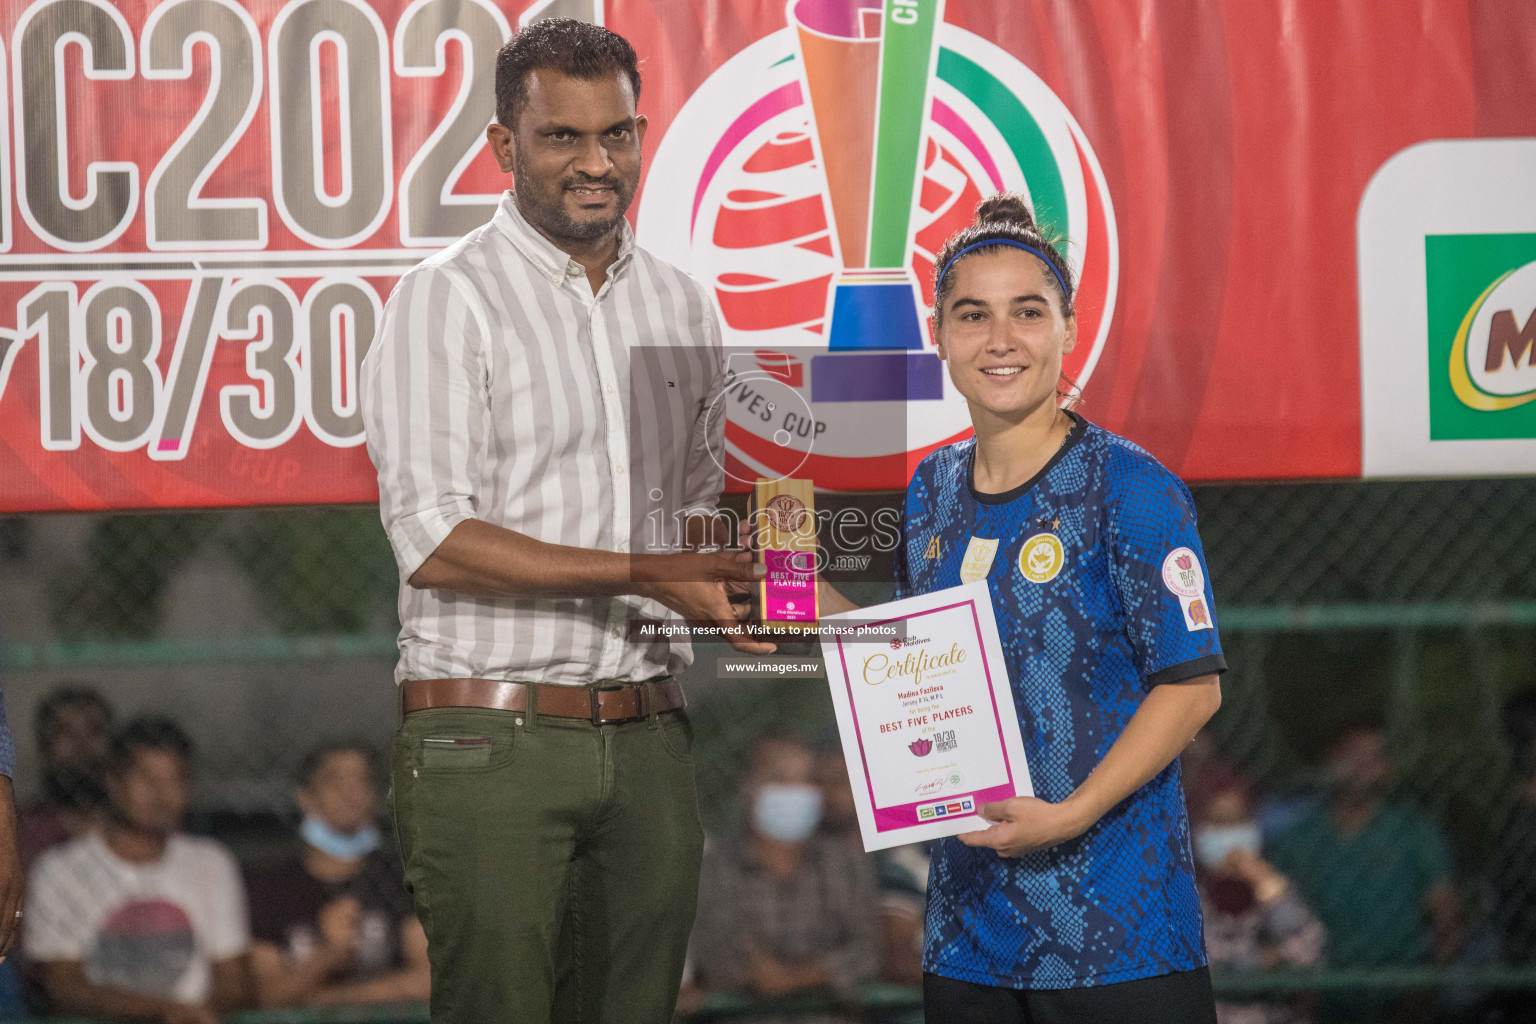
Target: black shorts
(1181,998)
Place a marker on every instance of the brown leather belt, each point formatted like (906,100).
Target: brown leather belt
(599,705)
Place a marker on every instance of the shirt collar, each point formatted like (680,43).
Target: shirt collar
(549,259)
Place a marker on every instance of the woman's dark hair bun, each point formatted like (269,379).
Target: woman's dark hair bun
(1005,208)
(1002,219)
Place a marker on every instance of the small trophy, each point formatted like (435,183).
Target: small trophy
(783,524)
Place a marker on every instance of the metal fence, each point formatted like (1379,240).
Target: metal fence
(1408,606)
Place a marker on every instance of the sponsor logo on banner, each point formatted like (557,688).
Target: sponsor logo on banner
(814,176)
(979,554)
(1041,558)
(1447,237)
(1489,373)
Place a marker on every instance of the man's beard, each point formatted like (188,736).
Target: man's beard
(546,210)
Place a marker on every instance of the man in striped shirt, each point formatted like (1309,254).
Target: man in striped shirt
(538,398)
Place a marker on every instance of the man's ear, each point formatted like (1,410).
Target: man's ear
(503,146)
(640,125)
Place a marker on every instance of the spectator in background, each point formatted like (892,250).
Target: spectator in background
(140,920)
(782,909)
(1254,917)
(1513,869)
(73,725)
(1378,872)
(901,875)
(839,814)
(333,924)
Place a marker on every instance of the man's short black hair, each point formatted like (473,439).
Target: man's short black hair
(566,45)
(51,708)
(148,733)
(315,759)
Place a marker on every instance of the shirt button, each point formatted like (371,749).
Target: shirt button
(616,634)
(620,471)
(610,389)
(623,549)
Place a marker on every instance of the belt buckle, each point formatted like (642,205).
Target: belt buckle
(596,703)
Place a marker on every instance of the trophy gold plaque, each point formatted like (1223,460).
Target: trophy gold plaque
(783,523)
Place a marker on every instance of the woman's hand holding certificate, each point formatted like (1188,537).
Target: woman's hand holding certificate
(1027,823)
(1162,727)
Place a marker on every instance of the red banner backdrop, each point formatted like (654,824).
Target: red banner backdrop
(206,202)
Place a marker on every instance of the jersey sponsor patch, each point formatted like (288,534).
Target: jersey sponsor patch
(1195,615)
(1182,576)
(978,559)
(1041,558)
(1181,573)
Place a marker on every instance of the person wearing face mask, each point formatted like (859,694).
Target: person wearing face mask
(783,909)
(1254,917)
(333,925)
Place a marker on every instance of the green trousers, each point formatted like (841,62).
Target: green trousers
(554,863)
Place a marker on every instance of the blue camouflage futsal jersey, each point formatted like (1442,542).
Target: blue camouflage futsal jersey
(1099,585)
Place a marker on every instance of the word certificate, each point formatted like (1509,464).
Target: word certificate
(926,717)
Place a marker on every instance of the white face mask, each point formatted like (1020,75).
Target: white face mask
(788,812)
(318,833)
(1214,843)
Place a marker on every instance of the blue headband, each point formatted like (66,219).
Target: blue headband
(1065,291)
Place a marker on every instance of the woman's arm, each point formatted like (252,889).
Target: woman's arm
(1161,728)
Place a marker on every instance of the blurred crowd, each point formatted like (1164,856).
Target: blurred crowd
(128,915)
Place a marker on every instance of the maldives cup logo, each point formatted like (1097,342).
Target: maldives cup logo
(809,183)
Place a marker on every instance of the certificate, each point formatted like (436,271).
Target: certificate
(925,713)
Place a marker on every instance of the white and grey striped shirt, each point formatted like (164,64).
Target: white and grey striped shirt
(500,388)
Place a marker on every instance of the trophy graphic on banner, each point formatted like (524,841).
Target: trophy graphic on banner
(867,68)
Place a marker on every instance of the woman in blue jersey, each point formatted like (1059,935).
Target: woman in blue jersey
(1077,905)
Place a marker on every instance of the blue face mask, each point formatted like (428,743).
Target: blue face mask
(1215,843)
(322,837)
(787,812)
